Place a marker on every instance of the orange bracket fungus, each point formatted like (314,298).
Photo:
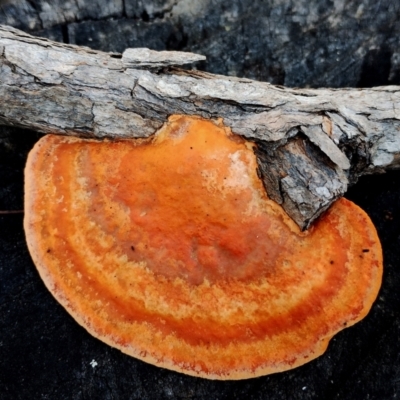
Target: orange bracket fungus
(169,249)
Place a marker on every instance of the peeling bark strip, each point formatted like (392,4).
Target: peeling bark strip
(311,144)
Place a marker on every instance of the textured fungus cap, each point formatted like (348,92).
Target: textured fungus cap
(169,250)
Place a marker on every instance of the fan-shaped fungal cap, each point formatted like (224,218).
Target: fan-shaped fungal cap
(170,250)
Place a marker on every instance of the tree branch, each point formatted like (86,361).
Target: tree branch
(311,143)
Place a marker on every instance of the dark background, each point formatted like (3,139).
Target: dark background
(44,354)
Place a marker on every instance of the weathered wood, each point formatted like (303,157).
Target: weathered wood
(311,143)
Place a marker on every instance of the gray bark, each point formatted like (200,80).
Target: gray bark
(311,143)
(313,43)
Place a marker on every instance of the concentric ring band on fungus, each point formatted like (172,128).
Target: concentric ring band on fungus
(170,250)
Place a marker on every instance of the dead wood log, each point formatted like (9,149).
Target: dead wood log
(311,143)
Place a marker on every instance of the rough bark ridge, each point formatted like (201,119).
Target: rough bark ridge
(311,143)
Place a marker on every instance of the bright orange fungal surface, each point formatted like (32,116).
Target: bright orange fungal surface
(170,250)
